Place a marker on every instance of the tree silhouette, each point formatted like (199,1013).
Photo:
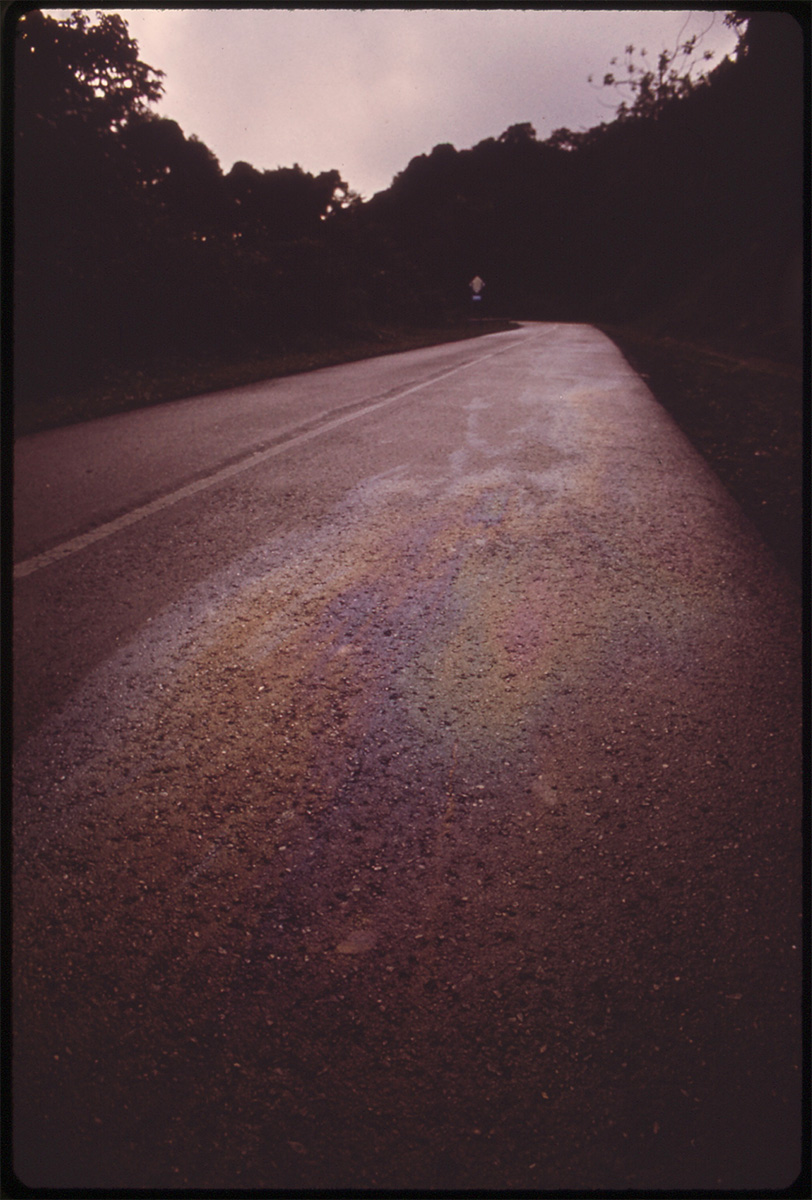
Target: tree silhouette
(281,205)
(76,85)
(675,74)
(74,69)
(180,178)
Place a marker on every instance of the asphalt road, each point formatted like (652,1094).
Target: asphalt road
(407,790)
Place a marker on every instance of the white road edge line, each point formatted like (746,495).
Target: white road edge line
(74,545)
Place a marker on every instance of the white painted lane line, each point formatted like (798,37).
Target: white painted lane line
(74,545)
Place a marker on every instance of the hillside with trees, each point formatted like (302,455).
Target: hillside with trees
(131,243)
(143,272)
(688,205)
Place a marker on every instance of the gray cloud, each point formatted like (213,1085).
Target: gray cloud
(366,90)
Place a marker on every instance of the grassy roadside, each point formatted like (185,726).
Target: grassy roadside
(175,379)
(745,416)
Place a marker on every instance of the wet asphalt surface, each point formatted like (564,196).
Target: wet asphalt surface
(416,808)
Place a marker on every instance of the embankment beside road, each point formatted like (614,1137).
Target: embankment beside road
(745,416)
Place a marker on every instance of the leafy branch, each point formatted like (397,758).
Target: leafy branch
(646,87)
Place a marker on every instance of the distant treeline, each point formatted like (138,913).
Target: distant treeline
(131,246)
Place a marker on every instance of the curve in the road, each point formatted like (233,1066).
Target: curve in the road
(100,532)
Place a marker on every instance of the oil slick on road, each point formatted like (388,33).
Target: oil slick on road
(459,847)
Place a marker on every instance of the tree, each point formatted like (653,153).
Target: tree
(678,72)
(518,135)
(178,177)
(77,70)
(565,139)
(280,205)
(77,83)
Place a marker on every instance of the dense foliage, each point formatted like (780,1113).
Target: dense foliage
(132,245)
(691,206)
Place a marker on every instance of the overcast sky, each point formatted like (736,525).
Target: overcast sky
(365,91)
